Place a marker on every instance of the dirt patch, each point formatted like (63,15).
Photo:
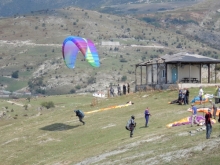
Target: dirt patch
(120,150)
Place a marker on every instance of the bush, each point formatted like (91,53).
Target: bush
(72,91)
(14,74)
(123,60)
(78,87)
(47,105)
(91,80)
(124,78)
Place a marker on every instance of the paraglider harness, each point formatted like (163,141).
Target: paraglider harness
(131,124)
(79,113)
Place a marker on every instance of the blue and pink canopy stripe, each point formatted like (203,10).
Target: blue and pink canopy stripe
(72,45)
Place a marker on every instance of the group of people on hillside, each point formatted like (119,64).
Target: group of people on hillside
(184,98)
(208,117)
(131,124)
(125,90)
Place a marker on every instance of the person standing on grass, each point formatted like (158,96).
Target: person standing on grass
(208,124)
(128,88)
(187,96)
(119,90)
(194,115)
(213,106)
(147,115)
(124,89)
(216,94)
(131,124)
(111,91)
(184,96)
(80,115)
(201,92)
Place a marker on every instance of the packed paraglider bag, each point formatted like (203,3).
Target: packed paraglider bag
(128,125)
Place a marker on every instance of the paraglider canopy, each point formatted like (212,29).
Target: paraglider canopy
(72,45)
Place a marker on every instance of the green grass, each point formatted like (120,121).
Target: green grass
(13,84)
(51,136)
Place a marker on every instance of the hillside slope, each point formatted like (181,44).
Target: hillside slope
(32,44)
(55,136)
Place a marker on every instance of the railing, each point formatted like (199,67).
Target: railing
(187,80)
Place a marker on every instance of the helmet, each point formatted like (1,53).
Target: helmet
(132,117)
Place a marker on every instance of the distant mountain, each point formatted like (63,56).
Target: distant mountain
(15,7)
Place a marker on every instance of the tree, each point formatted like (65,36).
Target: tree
(47,105)
(72,91)
(25,106)
(124,78)
(14,74)
(29,99)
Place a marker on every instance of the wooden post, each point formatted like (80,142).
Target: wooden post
(146,75)
(152,74)
(157,73)
(166,72)
(189,71)
(208,73)
(135,78)
(215,73)
(141,74)
(200,73)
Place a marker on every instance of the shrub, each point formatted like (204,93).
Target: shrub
(124,78)
(78,87)
(72,91)
(14,74)
(91,80)
(47,105)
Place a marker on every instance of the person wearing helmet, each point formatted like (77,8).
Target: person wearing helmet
(80,115)
(131,124)
(213,106)
(208,124)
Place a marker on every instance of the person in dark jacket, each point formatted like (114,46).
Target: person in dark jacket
(208,124)
(119,90)
(131,124)
(147,115)
(80,115)
(128,88)
(187,96)
(124,89)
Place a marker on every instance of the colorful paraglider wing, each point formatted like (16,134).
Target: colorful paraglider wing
(187,121)
(71,47)
(70,51)
(92,55)
(205,110)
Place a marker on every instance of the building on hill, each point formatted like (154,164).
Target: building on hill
(110,43)
(181,68)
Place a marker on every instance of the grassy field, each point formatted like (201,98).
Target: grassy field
(55,136)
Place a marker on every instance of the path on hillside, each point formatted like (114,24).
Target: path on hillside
(28,42)
(15,103)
